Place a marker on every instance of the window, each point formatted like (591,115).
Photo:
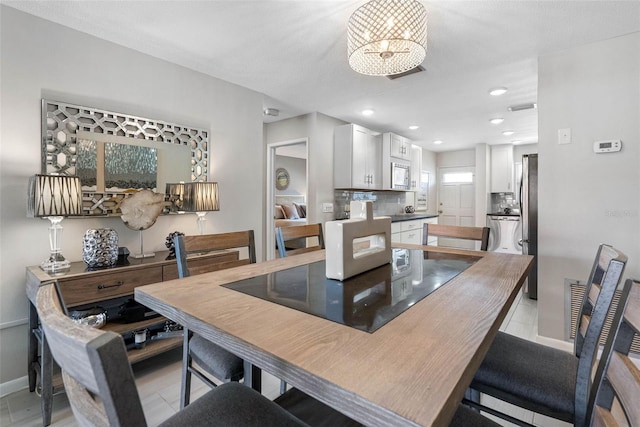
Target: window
(457,177)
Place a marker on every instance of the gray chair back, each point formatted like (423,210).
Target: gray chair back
(186,245)
(617,377)
(286,234)
(480,234)
(96,372)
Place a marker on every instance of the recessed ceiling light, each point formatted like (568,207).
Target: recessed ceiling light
(414,127)
(508,132)
(367,112)
(516,142)
(496,121)
(497,91)
(437,141)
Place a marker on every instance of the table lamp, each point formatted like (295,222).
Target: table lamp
(54,197)
(201,197)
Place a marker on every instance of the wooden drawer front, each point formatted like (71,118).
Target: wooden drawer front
(104,286)
(200,264)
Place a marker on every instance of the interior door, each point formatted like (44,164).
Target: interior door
(457,202)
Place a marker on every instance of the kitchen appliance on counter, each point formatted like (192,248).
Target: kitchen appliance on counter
(529,209)
(506,232)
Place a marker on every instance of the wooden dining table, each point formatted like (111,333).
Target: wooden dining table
(413,370)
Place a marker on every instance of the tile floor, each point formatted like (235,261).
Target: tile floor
(158,381)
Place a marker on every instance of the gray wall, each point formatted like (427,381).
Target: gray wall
(40,59)
(585,198)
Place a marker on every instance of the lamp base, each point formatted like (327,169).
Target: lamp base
(55,264)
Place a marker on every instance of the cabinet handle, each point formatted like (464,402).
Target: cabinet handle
(117,285)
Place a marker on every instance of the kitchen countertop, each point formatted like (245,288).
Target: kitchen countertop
(411,217)
(503,214)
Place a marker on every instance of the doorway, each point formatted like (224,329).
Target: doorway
(292,152)
(457,203)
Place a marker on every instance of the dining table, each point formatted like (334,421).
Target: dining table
(397,345)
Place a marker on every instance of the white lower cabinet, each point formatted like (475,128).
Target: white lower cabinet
(411,231)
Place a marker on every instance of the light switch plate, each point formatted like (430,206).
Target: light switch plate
(564,136)
(327,207)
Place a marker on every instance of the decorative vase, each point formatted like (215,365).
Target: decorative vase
(100,247)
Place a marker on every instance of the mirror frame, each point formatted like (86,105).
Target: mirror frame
(62,121)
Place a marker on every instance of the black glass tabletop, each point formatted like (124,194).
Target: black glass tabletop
(367,301)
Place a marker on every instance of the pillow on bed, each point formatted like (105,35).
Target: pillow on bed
(279,213)
(302,209)
(290,212)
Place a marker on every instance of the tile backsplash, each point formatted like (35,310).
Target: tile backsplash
(384,202)
(499,201)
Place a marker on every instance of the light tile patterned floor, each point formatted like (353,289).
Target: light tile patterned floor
(158,382)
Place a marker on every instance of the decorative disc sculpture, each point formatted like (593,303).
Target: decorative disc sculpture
(139,212)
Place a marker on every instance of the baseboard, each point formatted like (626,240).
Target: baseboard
(555,343)
(13,386)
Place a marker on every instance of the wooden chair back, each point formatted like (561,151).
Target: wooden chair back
(618,378)
(480,234)
(95,369)
(285,234)
(187,245)
(606,275)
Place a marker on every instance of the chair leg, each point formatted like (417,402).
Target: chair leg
(283,386)
(185,388)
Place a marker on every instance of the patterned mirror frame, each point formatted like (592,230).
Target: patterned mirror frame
(61,122)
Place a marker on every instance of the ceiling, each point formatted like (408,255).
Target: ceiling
(294,52)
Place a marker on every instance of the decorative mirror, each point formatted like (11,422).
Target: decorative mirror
(282,179)
(114,153)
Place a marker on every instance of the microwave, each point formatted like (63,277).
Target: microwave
(400,176)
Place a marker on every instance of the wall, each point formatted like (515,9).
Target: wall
(429,159)
(319,129)
(585,198)
(40,59)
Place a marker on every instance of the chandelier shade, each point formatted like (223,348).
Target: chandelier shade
(387,37)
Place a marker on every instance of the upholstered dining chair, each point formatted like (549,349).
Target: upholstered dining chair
(287,234)
(209,357)
(546,380)
(617,377)
(480,234)
(102,392)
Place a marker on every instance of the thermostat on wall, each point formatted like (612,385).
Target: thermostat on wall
(609,146)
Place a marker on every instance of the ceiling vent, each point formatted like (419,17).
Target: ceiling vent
(522,107)
(414,70)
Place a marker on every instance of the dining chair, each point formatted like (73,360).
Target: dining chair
(101,388)
(287,234)
(617,377)
(209,357)
(543,379)
(480,234)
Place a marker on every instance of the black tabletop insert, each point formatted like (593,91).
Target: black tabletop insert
(367,301)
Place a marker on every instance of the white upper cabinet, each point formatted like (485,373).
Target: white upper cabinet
(502,169)
(399,146)
(357,158)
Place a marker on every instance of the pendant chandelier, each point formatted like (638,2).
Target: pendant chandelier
(387,37)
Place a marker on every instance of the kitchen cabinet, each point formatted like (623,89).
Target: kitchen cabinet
(411,231)
(416,167)
(502,169)
(398,146)
(357,158)
(81,288)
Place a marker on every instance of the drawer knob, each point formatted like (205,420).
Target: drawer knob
(117,285)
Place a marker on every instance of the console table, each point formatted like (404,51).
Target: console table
(81,286)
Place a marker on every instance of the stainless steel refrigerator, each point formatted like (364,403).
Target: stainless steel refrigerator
(529,212)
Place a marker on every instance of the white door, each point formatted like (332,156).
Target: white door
(457,202)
